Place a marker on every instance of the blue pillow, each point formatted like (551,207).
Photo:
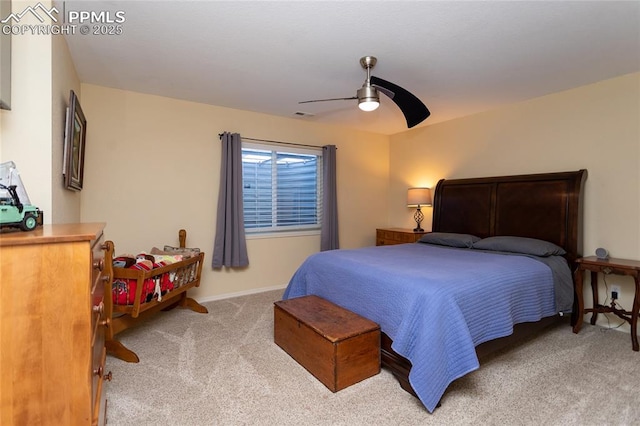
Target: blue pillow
(520,245)
(449,239)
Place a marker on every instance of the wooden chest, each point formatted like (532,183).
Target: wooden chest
(337,346)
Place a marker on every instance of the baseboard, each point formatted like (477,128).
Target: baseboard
(238,294)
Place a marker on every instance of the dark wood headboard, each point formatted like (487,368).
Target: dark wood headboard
(547,206)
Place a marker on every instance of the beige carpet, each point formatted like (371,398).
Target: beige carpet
(223,368)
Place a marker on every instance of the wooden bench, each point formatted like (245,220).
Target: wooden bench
(337,346)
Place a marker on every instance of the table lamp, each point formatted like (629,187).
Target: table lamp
(417,197)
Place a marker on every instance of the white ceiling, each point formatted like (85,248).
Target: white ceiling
(459,58)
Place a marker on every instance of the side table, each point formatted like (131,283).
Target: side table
(625,267)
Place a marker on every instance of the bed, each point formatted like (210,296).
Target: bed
(442,305)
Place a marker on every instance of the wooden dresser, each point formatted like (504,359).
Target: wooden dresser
(389,236)
(52,325)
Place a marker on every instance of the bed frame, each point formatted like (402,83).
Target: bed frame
(546,206)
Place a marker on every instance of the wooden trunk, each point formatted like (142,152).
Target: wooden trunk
(337,346)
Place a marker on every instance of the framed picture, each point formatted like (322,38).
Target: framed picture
(74,145)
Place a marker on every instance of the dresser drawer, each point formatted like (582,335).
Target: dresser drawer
(99,322)
(406,237)
(98,279)
(99,394)
(98,351)
(97,266)
(391,236)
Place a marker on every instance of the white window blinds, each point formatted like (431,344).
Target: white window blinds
(282,188)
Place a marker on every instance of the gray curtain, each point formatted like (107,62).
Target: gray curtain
(329,232)
(230,246)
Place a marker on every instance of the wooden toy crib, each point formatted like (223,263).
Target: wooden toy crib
(184,274)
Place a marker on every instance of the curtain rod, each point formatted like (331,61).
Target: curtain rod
(278,142)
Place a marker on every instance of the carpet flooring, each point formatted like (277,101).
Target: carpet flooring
(222,368)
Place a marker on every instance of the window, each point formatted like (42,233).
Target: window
(282,188)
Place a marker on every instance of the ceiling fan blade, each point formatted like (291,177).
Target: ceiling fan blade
(415,112)
(332,99)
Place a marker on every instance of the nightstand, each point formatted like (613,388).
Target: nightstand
(390,236)
(626,267)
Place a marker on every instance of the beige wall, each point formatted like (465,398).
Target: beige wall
(26,129)
(153,165)
(66,203)
(595,127)
(32,132)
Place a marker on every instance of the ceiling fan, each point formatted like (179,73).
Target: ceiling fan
(415,112)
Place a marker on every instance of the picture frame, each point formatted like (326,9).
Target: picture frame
(74,144)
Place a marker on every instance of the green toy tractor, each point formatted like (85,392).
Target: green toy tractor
(15,207)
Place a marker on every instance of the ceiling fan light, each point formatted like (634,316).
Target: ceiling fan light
(368,105)
(368,98)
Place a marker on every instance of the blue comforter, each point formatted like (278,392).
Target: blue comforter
(435,303)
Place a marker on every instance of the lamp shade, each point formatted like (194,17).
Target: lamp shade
(418,197)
